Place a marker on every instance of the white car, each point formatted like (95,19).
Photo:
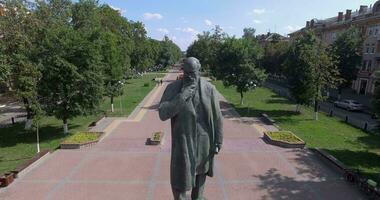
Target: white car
(347,104)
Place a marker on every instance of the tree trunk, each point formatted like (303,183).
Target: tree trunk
(65,127)
(241,98)
(112,109)
(38,139)
(339,93)
(29,120)
(316,110)
(298,108)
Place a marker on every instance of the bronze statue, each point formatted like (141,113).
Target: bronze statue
(192,105)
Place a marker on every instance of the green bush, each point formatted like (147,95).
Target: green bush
(146,84)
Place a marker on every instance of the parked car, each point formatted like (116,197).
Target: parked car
(348,104)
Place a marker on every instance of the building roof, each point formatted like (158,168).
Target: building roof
(363,12)
(269,37)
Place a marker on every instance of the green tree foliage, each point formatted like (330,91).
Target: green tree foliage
(249,33)
(310,69)
(346,51)
(18,65)
(236,64)
(71,84)
(206,47)
(115,48)
(275,54)
(65,55)
(376,96)
(170,53)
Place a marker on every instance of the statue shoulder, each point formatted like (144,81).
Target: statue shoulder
(207,85)
(174,86)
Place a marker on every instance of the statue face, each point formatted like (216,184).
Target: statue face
(190,76)
(191,68)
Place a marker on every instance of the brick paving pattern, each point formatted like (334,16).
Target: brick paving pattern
(122,167)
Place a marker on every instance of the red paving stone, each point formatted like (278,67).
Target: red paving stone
(121,166)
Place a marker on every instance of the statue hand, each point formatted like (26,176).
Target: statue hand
(217,148)
(188,91)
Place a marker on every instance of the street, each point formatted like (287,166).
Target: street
(357,119)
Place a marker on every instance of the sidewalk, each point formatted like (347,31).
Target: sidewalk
(122,167)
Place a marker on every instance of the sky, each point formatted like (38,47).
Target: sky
(182,20)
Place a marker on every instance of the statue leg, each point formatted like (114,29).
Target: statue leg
(197,192)
(179,195)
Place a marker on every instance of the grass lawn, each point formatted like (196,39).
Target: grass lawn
(350,145)
(18,145)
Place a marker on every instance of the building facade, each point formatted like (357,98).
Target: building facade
(367,20)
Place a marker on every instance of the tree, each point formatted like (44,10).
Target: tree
(376,98)
(275,54)
(206,48)
(18,66)
(310,69)
(71,61)
(236,65)
(249,33)
(346,50)
(114,68)
(170,52)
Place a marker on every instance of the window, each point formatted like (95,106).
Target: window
(370,32)
(376,31)
(364,66)
(367,50)
(368,68)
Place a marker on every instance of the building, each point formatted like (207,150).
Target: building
(270,37)
(367,20)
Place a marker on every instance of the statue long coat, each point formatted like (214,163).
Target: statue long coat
(195,132)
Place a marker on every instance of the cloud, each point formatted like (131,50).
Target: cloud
(258,12)
(120,10)
(163,30)
(183,20)
(291,28)
(208,22)
(150,16)
(257,21)
(190,30)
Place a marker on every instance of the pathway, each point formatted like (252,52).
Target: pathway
(122,167)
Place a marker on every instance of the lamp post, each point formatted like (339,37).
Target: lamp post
(121,97)
(38,140)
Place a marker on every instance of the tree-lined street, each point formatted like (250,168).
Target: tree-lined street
(121,166)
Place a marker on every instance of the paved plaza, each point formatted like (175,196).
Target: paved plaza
(122,167)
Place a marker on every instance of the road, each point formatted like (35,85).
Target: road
(357,119)
(8,111)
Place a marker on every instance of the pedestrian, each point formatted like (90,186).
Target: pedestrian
(161,81)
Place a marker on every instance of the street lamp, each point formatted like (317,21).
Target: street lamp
(121,97)
(38,139)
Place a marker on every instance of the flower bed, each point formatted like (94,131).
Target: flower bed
(155,139)
(80,140)
(284,139)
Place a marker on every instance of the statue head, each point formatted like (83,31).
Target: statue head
(191,68)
